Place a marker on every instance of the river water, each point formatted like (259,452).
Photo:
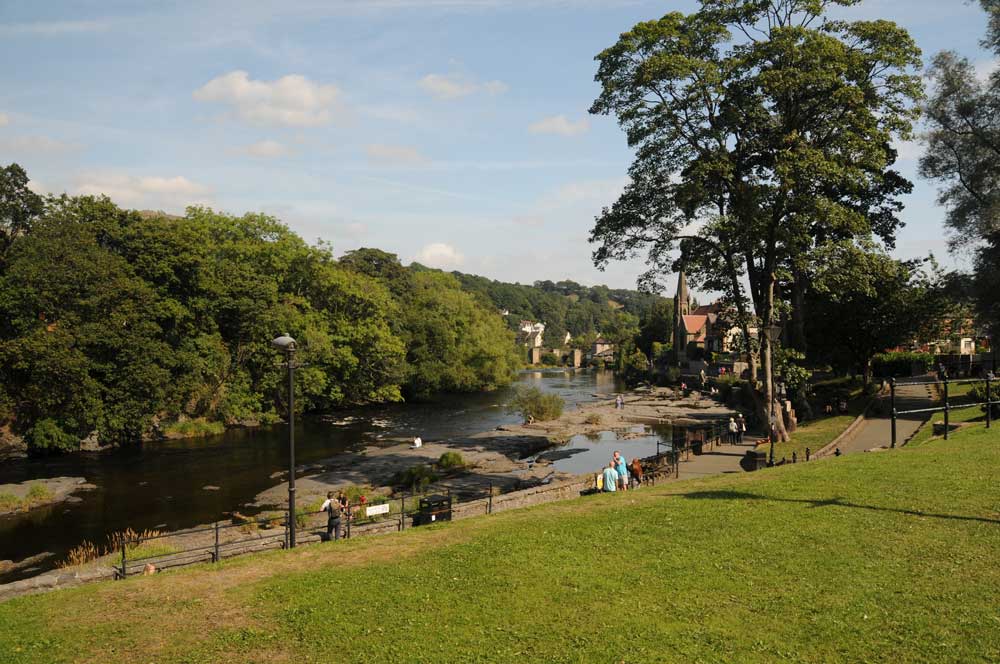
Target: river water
(162,485)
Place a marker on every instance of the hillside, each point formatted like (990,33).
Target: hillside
(566,306)
(873,557)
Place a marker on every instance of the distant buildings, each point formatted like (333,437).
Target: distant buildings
(531,334)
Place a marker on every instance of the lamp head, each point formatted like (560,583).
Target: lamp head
(284,342)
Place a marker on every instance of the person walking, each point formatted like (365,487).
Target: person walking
(741,428)
(622,469)
(610,478)
(333,510)
(733,427)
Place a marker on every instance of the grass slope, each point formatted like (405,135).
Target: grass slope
(882,557)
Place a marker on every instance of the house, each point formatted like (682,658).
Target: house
(531,333)
(603,349)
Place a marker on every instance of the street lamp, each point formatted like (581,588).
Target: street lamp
(773,333)
(287,344)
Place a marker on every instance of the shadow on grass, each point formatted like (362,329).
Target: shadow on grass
(828,502)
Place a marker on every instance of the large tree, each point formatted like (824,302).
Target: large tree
(19,206)
(762,129)
(963,154)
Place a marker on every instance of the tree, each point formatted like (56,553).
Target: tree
(864,302)
(776,142)
(19,206)
(963,154)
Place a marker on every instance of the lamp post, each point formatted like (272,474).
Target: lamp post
(773,332)
(287,344)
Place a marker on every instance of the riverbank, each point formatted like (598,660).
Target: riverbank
(826,546)
(502,458)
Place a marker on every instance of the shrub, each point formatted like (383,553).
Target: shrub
(415,477)
(886,365)
(48,435)
(549,358)
(9,501)
(450,460)
(598,363)
(533,404)
(593,418)
(978,394)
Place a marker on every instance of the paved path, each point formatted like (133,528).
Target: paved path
(721,459)
(877,431)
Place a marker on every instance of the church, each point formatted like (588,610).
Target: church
(700,332)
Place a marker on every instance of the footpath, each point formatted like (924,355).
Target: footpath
(876,431)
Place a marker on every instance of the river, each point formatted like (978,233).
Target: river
(162,485)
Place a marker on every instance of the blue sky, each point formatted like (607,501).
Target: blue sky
(454,132)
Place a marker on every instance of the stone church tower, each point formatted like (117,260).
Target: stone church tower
(682,307)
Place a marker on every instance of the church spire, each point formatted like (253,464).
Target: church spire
(683,300)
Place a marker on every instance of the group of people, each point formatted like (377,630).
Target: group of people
(619,475)
(737,429)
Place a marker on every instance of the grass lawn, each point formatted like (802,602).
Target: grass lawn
(881,557)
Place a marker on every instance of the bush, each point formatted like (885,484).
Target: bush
(593,418)
(534,405)
(193,428)
(415,477)
(39,493)
(48,435)
(888,365)
(978,394)
(549,358)
(598,363)
(450,460)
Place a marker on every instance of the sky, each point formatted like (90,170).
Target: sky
(450,132)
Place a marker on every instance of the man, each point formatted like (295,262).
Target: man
(741,428)
(622,469)
(610,478)
(332,508)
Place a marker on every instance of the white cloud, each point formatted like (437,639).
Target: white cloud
(166,193)
(440,255)
(292,100)
(561,125)
(266,149)
(55,27)
(453,86)
(394,155)
(4,120)
(38,145)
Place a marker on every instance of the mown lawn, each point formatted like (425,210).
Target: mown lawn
(815,434)
(880,557)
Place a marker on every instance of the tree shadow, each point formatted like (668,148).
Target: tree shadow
(836,501)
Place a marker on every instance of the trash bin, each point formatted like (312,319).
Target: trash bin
(753,460)
(433,509)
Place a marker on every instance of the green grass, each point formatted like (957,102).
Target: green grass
(38,494)
(196,428)
(887,557)
(959,416)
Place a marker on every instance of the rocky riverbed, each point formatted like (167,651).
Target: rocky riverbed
(502,458)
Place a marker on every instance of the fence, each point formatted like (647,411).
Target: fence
(948,405)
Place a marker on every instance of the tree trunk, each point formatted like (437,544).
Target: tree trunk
(797,331)
(771,406)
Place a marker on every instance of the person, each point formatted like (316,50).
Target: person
(842,406)
(704,378)
(416,443)
(332,509)
(610,478)
(636,469)
(732,431)
(622,469)
(741,428)
(619,402)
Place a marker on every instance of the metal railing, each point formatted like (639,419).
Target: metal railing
(947,405)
